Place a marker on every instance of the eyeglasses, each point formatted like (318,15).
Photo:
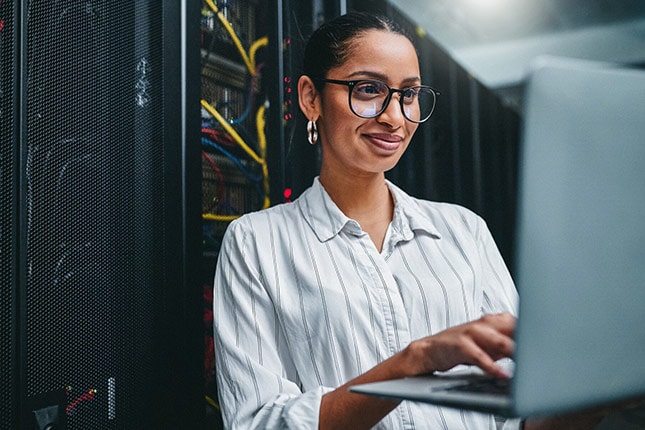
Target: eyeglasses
(370,98)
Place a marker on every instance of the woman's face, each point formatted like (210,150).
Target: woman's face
(364,146)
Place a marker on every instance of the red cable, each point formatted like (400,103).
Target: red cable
(89,395)
(218,173)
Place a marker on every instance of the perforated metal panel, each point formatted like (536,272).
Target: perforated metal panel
(94,195)
(100,317)
(8,142)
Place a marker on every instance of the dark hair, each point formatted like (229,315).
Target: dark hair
(329,45)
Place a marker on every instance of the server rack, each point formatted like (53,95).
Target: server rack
(100,215)
(255,152)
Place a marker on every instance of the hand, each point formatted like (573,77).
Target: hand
(480,343)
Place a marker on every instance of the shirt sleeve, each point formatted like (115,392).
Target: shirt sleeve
(258,386)
(500,294)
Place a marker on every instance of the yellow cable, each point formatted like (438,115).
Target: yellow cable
(260,122)
(249,61)
(230,130)
(263,41)
(212,402)
(261,160)
(231,32)
(221,218)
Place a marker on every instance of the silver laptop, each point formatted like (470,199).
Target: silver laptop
(580,271)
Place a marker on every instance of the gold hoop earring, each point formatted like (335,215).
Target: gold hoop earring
(312,132)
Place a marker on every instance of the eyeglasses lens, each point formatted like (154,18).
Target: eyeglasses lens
(368,99)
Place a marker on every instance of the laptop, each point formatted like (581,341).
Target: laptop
(580,251)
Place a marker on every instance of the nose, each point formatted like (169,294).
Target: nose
(392,115)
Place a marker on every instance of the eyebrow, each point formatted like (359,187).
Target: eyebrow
(381,77)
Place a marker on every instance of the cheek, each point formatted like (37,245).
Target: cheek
(411,128)
(339,125)
(334,102)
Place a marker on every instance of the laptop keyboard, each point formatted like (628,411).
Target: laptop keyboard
(485,385)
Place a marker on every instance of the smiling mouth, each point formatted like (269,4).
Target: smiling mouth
(385,141)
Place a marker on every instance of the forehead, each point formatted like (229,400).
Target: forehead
(382,52)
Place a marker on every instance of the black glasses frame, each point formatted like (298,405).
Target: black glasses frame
(388,98)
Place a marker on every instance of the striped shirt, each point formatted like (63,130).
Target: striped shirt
(303,302)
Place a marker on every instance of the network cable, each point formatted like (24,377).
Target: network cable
(250,63)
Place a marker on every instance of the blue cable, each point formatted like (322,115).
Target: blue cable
(238,163)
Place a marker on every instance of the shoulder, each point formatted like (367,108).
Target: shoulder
(450,212)
(275,217)
(247,236)
(446,209)
(280,218)
(440,216)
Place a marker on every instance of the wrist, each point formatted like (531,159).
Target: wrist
(416,359)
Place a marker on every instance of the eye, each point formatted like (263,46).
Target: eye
(370,89)
(410,94)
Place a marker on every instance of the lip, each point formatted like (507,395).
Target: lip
(385,141)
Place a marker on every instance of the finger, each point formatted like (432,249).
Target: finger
(480,358)
(503,322)
(489,346)
(498,345)
(492,335)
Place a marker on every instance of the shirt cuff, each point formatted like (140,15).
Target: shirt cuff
(304,411)
(514,424)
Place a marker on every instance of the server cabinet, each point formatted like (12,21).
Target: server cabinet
(8,228)
(101,312)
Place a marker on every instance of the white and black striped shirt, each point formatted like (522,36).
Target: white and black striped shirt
(303,302)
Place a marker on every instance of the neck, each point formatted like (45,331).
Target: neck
(364,199)
(355,195)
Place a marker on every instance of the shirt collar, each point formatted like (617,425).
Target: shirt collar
(327,220)
(409,216)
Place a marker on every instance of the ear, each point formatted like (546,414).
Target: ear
(308,98)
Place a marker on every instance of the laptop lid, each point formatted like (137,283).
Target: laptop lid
(581,237)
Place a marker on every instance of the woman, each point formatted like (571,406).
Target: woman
(356,281)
